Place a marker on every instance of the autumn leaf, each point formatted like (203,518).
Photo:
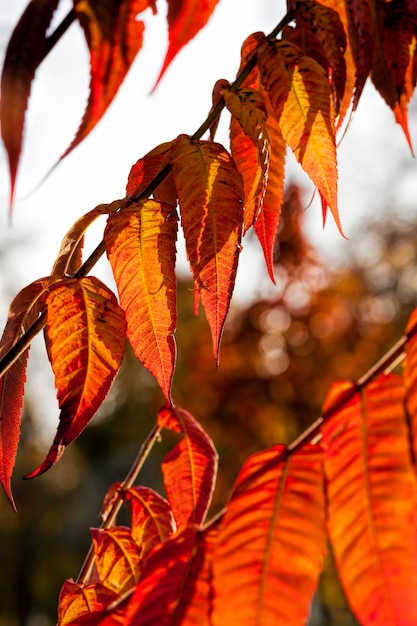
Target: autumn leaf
(210,193)
(189,469)
(300,96)
(23,311)
(140,244)
(185,19)
(271,541)
(361,30)
(152,518)
(24,53)
(77,600)
(248,130)
(143,174)
(85,336)
(169,582)
(410,379)
(372,501)
(114,36)
(118,558)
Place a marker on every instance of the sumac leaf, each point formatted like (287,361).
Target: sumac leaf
(85,337)
(77,600)
(140,244)
(372,501)
(117,558)
(189,469)
(152,518)
(210,193)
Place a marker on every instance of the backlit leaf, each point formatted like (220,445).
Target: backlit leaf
(185,19)
(210,193)
(168,583)
(23,311)
(140,243)
(117,558)
(152,518)
(145,171)
(372,502)
(410,379)
(393,72)
(248,130)
(85,336)
(114,37)
(271,541)
(77,600)
(300,96)
(267,220)
(23,55)
(189,469)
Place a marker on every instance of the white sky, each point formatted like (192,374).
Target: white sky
(373,152)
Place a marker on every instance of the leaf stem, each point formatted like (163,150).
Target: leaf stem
(109,516)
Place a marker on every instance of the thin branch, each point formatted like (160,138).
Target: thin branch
(60,30)
(110,514)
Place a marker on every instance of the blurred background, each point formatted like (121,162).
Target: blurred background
(337,305)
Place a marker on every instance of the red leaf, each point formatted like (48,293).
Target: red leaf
(210,193)
(146,169)
(185,19)
(140,243)
(117,558)
(23,55)
(189,469)
(152,518)
(114,37)
(169,582)
(410,380)
(23,311)
(77,600)
(85,336)
(271,541)
(372,501)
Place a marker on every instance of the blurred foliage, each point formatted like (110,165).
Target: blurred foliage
(278,359)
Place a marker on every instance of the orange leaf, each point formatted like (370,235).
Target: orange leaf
(85,336)
(23,55)
(169,584)
(140,243)
(23,311)
(300,96)
(210,192)
(117,558)
(190,468)
(250,146)
(146,169)
(152,518)
(372,502)
(267,220)
(185,19)
(114,37)
(77,600)
(271,541)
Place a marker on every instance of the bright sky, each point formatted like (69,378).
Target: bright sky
(373,152)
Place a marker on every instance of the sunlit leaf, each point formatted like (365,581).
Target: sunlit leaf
(190,468)
(185,19)
(114,37)
(23,311)
(300,96)
(410,379)
(210,193)
(85,336)
(146,169)
(77,600)
(362,39)
(248,130)
(140,243)
(24,53)
(372,501)
(117,558)
(271,541)
(168,583)
(152,518)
